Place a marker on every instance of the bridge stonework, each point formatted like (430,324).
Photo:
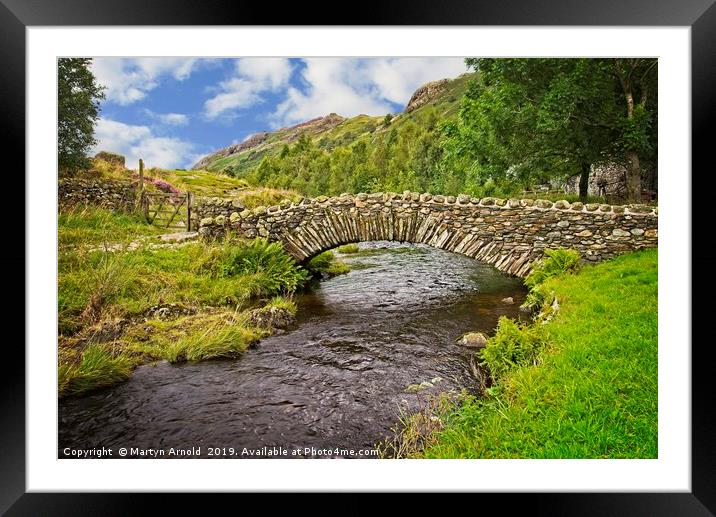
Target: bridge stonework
(509,234)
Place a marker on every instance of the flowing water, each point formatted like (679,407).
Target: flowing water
(336,379)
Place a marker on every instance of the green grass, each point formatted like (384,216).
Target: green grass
(571,198)
(216,334)
(199,273)
(283,303)
(91,225)
(213,343)
(217,280)
(202,183)
(266,197)
(327,263)
(96,368)
(348,249)
(593,391)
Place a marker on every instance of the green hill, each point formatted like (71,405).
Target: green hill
(435,100)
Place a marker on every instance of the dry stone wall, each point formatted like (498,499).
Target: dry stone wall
(205,208)
(114,195)
(507,233)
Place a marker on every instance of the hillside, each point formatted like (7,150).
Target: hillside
(331,131)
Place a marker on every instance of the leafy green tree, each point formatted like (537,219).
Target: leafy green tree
(387,119)
(637,78)
(527,120)
(78,97)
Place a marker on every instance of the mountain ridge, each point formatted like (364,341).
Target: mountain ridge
(332,130)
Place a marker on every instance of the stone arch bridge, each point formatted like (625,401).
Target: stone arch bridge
(509,234)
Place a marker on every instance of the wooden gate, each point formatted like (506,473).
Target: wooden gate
(168,210)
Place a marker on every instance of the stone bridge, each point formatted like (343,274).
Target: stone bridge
(507,233)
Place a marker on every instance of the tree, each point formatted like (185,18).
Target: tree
(540,119)
(637,78)
(387,119)
(78,98)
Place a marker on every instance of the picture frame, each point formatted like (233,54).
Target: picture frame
(17,15)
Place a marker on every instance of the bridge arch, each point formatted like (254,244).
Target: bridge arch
(509,234)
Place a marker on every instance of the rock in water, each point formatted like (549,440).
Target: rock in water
(473,340)
(271,317)
(508,300)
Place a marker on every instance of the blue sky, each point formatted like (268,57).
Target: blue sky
(173,111)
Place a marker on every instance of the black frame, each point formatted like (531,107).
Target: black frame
(700,15)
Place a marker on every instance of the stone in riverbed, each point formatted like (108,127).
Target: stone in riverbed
(508,301)
(271,317)
(473,340)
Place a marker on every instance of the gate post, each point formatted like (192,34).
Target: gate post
(140,197)
(188,210)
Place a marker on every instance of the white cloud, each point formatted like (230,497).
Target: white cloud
(269,73)
(397,78)
(128,80)
(350,86)
(174,119)
(252,77)
(236,94)
(169,119)
(135,142)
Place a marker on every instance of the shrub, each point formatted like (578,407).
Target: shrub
(164,186)
(265,266)
(538,297)
(558,261)
(512,345)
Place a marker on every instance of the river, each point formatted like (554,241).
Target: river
(336,379)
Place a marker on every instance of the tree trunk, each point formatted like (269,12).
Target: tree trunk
(584,181)
(633,178)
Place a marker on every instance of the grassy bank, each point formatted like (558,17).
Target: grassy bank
(200,183)
(591,393)
(187,303)
(94,226)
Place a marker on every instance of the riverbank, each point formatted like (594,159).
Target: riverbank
(335,379)
(593,391)
(122,304)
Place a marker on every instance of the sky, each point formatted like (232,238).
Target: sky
(172,111)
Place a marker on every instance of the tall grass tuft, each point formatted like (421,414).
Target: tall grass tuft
(262,265)
(97,368)
(327,263)
(218,340)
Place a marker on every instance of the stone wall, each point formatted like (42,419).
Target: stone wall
(204,208)
(510,234)
(114,195)
(609,181)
